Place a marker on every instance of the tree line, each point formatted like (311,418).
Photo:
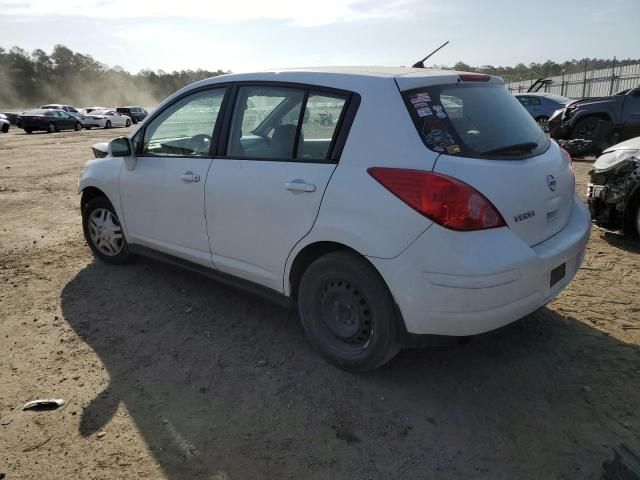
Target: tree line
(30,79)
(547,69)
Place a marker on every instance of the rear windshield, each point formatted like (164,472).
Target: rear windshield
(474,120)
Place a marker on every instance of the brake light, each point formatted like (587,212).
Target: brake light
(474,77)
(443,199)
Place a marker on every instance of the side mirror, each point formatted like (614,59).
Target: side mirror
(120,147)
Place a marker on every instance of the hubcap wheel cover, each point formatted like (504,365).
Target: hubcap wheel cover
(346,314)
(105,232)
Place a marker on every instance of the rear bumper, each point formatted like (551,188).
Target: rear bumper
(467,283)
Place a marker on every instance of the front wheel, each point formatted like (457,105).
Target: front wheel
(5,128)
(585,128)
(77,127)
(51,128)
(543,123)
(108,124)
(103,232)
(348,312)
(128,124)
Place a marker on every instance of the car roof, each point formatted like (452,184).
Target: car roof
(348,78)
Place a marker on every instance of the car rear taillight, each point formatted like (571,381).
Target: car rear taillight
(474,77)
(567,156)
(445,200)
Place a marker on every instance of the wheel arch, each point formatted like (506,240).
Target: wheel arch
(309,254)
(602,115)
(89,193)
(630,210)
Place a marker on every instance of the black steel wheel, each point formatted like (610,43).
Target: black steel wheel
(348,312)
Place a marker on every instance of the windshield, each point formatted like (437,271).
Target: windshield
(474,121)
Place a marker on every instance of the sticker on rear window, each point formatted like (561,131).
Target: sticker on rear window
(420,97)
(453,149)
(424,112)
(439,111)
(437,137)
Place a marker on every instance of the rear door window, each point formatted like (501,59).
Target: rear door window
(321,117)
(474,120)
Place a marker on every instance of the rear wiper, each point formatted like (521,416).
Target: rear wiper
(525,147)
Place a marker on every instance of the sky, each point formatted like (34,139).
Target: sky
(255,35)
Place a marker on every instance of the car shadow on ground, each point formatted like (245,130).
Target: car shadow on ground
(222,384)
(629,243)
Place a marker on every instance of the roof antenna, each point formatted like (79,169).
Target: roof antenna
(420,64)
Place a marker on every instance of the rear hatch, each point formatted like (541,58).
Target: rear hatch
(489,141)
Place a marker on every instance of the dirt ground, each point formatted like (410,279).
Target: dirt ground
(171,376)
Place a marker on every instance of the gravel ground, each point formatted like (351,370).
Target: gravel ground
(171,376)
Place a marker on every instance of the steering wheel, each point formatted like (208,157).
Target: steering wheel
(198,144)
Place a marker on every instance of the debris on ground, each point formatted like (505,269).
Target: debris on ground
(44,404)
(624,466)
(37,445)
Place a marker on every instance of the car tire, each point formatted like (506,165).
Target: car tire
(585,128)
(128,123)
(5,128)
(77,127)
(134,120)
(348,312)
(88,128)
(107,124)
(28,130)
(103,232)
(51,128)
(542,122)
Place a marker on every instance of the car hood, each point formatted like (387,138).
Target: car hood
(631,144)
(586,102)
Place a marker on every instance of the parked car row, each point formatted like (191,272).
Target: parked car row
(55,116)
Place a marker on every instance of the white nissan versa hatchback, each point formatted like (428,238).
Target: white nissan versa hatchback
(385,202)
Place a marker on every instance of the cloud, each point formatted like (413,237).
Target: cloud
(295,12)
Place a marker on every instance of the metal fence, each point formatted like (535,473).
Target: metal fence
(588,83)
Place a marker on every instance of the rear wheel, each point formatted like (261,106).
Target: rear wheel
(51,127)
(28,130)
(134,120)
(128,124)
(348,312)
(103,232)
(5,128)
(108,124)
(77,127)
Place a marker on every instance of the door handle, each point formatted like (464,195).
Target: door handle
(300,186)
(190,177)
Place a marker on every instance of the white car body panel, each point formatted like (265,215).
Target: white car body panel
(162,211)
(242,220)
(254,221)
(528,181)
